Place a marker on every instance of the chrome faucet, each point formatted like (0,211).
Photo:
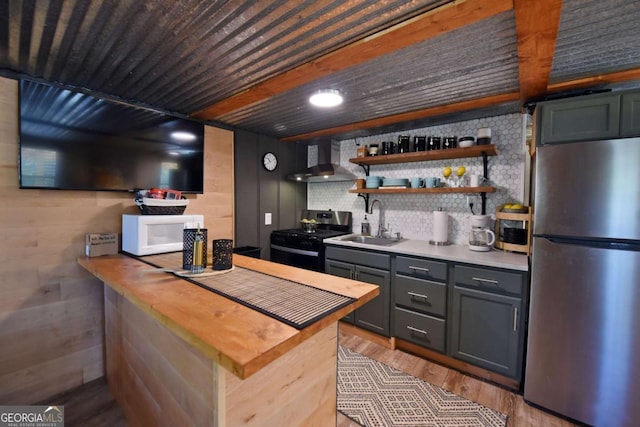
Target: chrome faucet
(381,230)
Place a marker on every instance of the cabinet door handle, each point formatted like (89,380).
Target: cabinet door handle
(352,275)
(413,294)
(421,331)
(412,267)
(480,279)
(515,319)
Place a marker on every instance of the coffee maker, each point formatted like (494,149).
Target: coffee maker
(481,238)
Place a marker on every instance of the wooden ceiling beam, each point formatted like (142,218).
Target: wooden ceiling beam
(409,116)
(592,81)
(537,25)
(585,82)
(448,17)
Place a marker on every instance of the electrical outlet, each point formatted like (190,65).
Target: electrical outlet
(267,218)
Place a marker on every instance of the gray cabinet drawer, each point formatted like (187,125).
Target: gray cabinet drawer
(422,295)
(489,280)
(420,329)
(422,268)
(369,259)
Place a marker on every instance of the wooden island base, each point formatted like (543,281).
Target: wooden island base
(159,379)
(180,355)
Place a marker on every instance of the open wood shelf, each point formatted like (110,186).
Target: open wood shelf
(440,190)
(422,156)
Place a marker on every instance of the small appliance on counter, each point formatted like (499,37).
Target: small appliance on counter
(155,234)
(513,228)
(481,238)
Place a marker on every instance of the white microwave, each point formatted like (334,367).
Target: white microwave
(155,234)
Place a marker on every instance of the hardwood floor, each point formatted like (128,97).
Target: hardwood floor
(520,413)
(92,405)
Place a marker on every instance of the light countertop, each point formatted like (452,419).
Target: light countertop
(456,253)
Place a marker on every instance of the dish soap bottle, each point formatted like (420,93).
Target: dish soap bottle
(365,228)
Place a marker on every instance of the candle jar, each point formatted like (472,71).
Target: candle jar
(222,254)
(189,239)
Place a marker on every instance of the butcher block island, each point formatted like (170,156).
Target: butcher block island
(180,354)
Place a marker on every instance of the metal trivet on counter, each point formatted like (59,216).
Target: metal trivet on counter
(293,303)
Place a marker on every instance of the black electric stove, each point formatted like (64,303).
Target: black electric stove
(303,248)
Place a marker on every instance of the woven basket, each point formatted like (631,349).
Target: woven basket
(149,206)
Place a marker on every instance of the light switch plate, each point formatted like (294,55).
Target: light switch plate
(267,218)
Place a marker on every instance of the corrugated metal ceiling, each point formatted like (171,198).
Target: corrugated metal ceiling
(425,75)
(183,56)
(597,37)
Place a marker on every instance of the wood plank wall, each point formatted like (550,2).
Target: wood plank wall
(51,310)
(157,378)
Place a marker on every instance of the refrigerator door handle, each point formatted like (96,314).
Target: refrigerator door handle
(597,243)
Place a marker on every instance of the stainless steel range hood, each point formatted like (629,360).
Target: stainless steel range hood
(328,168)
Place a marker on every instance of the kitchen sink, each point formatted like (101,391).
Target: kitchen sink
(370,240)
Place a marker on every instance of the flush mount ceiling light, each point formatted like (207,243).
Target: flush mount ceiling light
(183,136)
(326,98)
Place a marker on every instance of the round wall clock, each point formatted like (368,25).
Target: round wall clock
(269,161)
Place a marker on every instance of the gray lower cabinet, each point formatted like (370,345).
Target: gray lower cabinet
(367,267)
(471,313)
(487,319)
(341,269)
(420,301)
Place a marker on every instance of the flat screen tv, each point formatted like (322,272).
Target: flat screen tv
(73,141)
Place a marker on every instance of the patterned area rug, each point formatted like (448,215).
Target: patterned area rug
(374,394)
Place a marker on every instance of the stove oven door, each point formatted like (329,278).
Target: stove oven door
(297,252)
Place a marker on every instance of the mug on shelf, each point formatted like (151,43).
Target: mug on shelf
(373,181)
(417,182)
(432,182)
(477,180)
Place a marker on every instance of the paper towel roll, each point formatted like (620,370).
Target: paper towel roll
(440,226)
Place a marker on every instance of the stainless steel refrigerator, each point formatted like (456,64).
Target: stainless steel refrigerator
(583,351)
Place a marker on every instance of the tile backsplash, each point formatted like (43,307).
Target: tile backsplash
(412,214)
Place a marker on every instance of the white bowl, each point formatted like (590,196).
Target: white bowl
(464,143)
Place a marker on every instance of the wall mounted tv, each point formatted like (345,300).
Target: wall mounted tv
(74,141)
